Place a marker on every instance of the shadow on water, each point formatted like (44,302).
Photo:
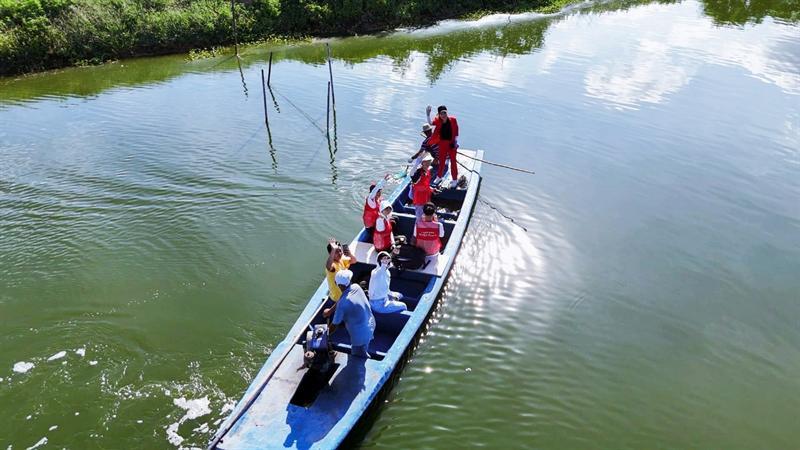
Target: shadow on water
(443,45)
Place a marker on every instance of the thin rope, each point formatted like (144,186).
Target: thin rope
(310,119)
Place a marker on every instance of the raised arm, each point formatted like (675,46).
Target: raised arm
(428,114)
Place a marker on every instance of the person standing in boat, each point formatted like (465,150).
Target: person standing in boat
(384,237)
(339,258)
(428,232)
(371,206)
(353,310)
(381,299)
(446,135)
(421,181)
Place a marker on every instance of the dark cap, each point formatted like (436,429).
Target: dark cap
(441,108)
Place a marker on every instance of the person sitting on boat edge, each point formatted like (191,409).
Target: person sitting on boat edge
(421,180)
(446,134)
(353,310)
(428,231)
(339,258)
(383,238)
(381,299)
(371,206)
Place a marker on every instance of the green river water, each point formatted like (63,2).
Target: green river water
(157,241)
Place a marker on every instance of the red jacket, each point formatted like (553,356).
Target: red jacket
(437,122)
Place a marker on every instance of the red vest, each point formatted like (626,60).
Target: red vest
(422,188)
(428,237)
(383,239)
(370,214)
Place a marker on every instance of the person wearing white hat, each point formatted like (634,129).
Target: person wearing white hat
(353,310)
(421,181)
(429,145)
(383,237)
(381,299)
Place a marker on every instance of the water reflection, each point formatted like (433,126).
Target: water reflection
(443,45)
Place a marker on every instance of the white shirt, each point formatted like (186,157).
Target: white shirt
(371,197)
(379,283)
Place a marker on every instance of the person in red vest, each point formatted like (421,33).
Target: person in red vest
(421,180)
(446,135)
(371,204)
(428,231)
(383,238)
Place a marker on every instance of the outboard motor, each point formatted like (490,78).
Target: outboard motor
(319,355)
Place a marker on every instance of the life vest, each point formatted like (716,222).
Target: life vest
(370,214)
(383,239)
(428,237)
(422,188)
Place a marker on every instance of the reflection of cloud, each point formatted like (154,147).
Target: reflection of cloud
(648,78)
(672,43)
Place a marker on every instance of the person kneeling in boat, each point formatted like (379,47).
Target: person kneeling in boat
(428,231)
(421,180)
(371,206)
(339,258)
(381,299)
(353,310)
(383,238)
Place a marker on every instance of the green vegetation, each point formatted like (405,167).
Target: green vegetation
(42,34)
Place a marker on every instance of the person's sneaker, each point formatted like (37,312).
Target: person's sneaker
(437,180)
(453,184)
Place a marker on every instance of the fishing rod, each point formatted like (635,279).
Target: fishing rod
(486,202)
(498,164)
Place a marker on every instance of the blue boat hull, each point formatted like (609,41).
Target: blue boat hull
(287,406)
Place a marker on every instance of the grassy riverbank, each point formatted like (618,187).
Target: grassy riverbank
(43,34)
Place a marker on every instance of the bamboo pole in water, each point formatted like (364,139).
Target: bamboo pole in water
(235,37)
(269,72)
(330,73)
(328,111)
(264,91)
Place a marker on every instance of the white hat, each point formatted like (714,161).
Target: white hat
(385,204)
(343,277)
(427,157)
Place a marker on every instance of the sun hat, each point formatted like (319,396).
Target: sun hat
(385,204)
(383,255)
(343,277)
(427,157)
(426,127)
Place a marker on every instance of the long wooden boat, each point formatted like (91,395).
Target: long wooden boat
(286,407)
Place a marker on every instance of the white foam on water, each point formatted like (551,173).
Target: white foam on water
(139,421)
(77,413)
(228,407)
(58,355)
(23,366)
(81,352)
(202,428)
(29,417)
(194,409)
(41,442)
(92,363)
(1,379)
(54,427)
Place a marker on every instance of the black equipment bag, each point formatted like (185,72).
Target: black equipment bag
(407,256)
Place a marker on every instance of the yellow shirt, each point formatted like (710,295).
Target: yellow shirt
(342,264)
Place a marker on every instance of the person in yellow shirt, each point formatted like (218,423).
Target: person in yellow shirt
(339,258)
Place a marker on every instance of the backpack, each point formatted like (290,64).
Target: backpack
(407,256)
